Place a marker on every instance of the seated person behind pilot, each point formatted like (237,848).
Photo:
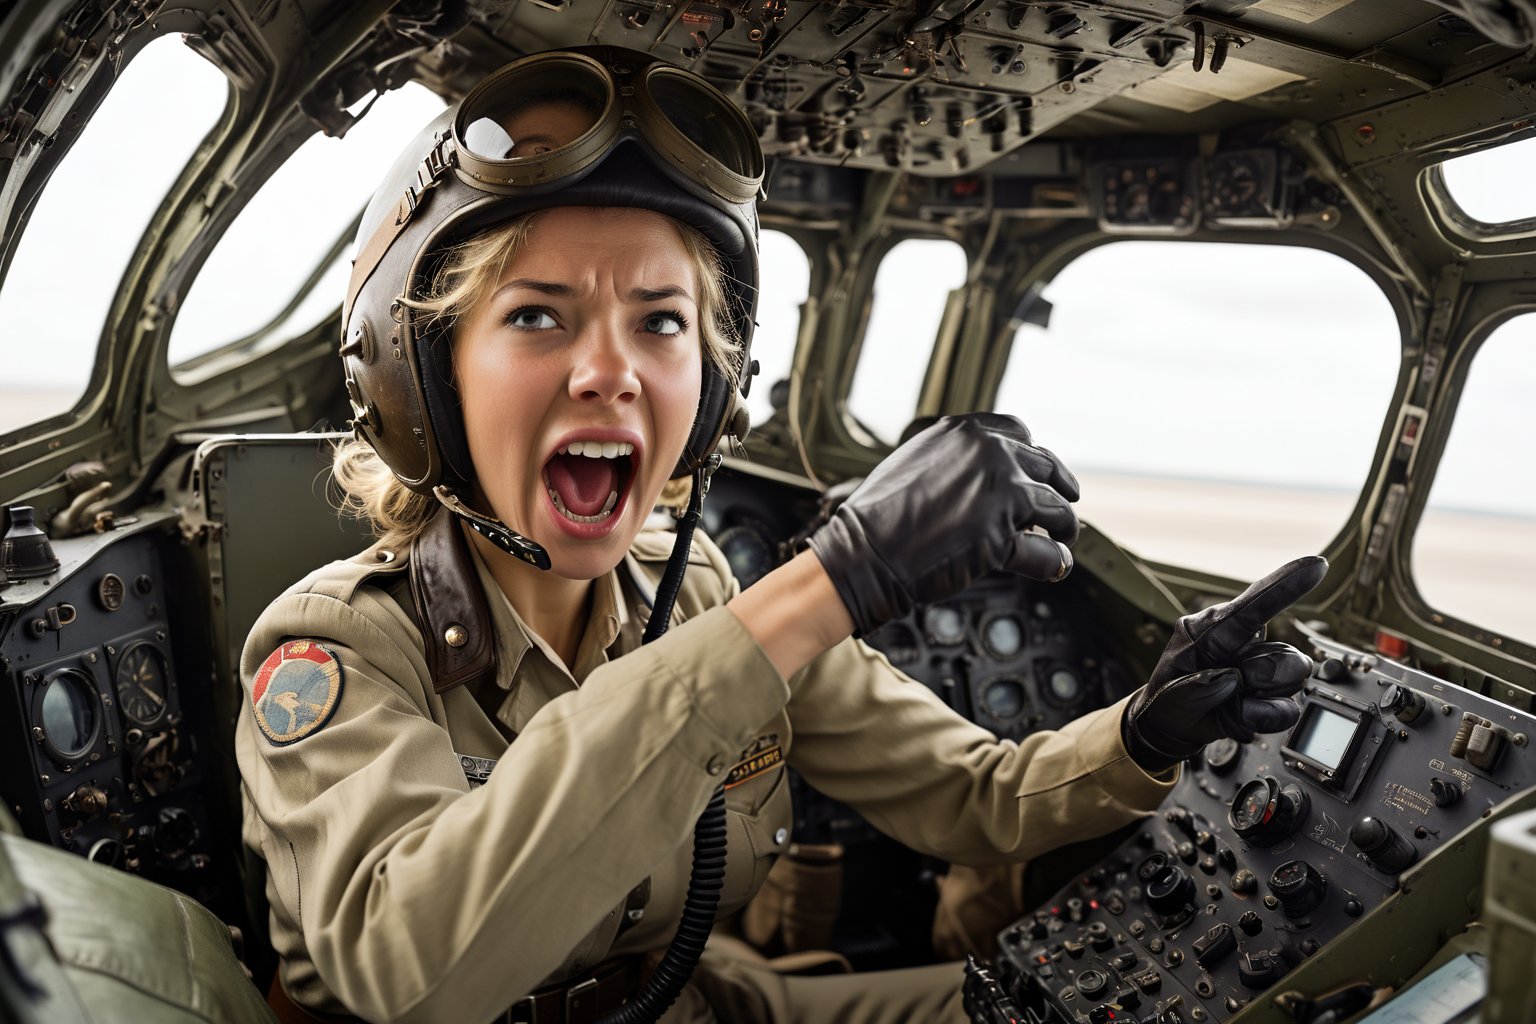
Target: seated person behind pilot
(473,786)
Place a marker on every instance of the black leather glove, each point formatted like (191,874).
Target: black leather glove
(952,504)
(1217,679)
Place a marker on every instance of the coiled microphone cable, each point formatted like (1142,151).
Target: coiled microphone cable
(664,985)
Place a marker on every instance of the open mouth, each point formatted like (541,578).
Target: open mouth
(587,481)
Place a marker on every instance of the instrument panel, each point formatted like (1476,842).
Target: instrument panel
(109,768)
(1268,851)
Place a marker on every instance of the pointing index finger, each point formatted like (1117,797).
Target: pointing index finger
(1246,614)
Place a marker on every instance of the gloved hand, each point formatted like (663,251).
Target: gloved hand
(950,505)
(1216,679)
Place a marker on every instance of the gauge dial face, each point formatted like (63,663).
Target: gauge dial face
(1290,875)
(1064,686)
(67,713)
(945,625)
(142,684)
(1004,636)
(1251,806)
(1003,698)
(748,552)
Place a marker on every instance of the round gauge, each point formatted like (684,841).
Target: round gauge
(897,642)
(1003,635)
(1253,805)
(1003,697)
(110,591)
(945,625)
(65,709)
(1063,686)
(748,552)
(142,683)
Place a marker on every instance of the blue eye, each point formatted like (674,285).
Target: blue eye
(531,318)
(668,323)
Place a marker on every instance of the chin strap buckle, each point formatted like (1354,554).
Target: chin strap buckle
(706,472)
(494,530)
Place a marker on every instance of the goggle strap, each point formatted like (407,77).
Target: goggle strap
(438,161)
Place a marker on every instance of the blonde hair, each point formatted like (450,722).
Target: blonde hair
(467,274)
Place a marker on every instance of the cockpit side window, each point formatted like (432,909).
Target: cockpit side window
(786,281)
(1489,187)
(911,291)
(1474,552)
(1220,403)
(281,267)
(88,221)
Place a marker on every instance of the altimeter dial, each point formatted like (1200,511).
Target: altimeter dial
(143,684)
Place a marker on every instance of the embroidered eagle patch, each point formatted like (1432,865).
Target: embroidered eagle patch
(296,690)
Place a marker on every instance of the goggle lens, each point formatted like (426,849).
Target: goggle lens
(708,120)
(541,108)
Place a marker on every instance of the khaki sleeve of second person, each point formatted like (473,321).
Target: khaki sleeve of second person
(409,888)
(882,743)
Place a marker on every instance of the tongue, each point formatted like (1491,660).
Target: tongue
(582,483)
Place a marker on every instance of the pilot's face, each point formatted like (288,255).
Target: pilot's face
(590,335)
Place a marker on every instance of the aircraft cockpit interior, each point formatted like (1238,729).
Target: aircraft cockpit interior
(1260,271)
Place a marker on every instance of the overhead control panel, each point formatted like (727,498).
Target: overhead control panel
(1266,852)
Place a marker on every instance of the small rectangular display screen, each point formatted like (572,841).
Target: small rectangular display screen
(1323,736)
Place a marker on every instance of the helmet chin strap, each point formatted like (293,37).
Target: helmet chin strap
(493,530)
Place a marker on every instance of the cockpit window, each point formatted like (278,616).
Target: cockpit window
(1491,187)
(89,220)
(1474,552)
(911,290)
(786,281)
(282,266)
(1220,403)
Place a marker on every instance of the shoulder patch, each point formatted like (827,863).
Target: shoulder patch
(296,690)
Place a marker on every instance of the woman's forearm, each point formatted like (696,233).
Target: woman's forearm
(794,614)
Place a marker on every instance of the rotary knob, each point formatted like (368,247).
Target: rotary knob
(1298,886)
(1403,701)
(1382,845)
(1265,812)
(1169,889)
(1221,756)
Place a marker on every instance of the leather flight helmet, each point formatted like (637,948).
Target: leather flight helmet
(655,137)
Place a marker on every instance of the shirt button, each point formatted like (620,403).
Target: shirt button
(780,836)
(716,765)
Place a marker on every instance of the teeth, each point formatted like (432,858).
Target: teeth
(598,449)
(613,499)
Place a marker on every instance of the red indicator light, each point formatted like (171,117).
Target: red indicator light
(1390,645)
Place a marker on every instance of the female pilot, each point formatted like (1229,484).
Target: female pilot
(474,787)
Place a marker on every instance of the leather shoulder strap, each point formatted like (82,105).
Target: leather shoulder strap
(450,606)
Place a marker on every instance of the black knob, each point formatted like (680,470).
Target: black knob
(1251,923)
(1169,888)
(1244,881)
(1265,812)
(1445,793)
(1092,983)
(1332,670)
(1222,755)
(173,836)
(1403,701)
(1382,845)
(1214,945)
(1186,852)
(1181,819)
(1259,970)
(1298,886)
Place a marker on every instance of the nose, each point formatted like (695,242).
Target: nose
(605,369)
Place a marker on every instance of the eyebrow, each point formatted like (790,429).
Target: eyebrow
(666,291)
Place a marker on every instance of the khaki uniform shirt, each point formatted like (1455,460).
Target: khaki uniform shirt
(400,892)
